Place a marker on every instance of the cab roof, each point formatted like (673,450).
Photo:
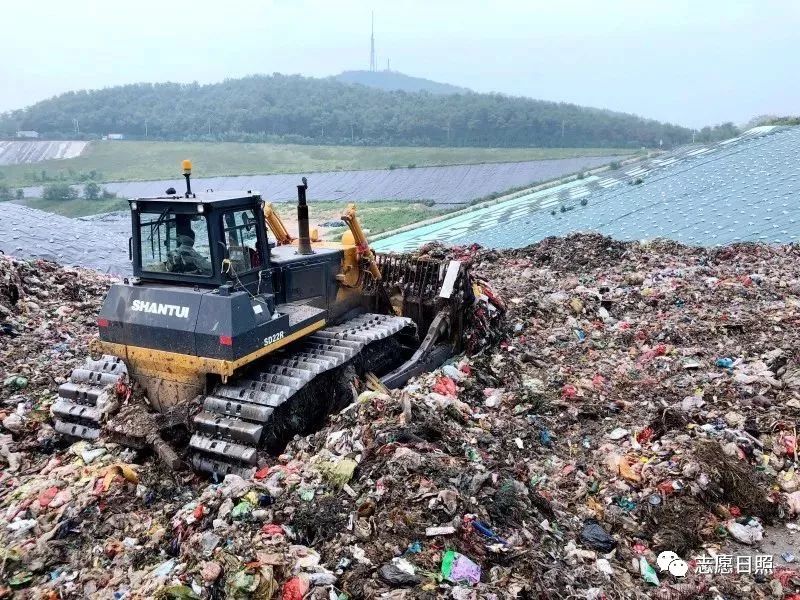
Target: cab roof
(214,198)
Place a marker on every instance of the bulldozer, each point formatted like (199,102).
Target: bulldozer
(239,336)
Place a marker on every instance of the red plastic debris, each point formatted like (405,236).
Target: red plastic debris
(46,497)
(294,589)
(735,511)
(569,391)
(639,548)
(122,390)
(666,487)
(445,386)
(644,435)
(113,547)
(493,297)
(659,350)
(262,473)
(789,443)
(199,511)
(784,575)
(272,529)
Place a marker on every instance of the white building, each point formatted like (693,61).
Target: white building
(28,134)
(115,136)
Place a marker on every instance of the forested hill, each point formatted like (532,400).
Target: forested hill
(393,80)
(325,111)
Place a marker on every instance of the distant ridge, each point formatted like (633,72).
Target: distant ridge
(305,110)
(395,81)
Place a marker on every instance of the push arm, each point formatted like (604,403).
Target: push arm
(276,225)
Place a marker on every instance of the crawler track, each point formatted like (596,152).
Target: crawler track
(86,400)
(231,427)
(271,401)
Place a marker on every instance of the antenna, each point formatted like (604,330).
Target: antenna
(372,66)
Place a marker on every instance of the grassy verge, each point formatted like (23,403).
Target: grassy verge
(133,160)
(375,217)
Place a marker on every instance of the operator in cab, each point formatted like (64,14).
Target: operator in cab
(185,259)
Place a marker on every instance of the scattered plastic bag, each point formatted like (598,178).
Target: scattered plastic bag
(595,537)
(749,533)
(460,569)
(647,572)
(399,573)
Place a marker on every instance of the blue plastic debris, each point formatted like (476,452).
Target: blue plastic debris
(414,547)
(485,531)
(545,437)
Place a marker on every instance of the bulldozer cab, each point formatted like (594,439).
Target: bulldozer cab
(206,240)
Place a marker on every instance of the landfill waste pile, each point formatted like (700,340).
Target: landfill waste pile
(636,420)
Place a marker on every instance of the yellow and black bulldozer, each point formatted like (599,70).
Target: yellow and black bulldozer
(238,336)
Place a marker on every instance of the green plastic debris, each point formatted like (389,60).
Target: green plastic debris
(337,473)
(20,579)
(626,504)
(177,592)
(537,479)
(16,382)
(242,510)
(648,573)
(240,585)
(447,563)
(249,584)
(306,494)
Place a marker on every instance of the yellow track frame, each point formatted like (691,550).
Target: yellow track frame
(171,378)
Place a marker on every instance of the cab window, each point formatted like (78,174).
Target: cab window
(174,243)
(241,238)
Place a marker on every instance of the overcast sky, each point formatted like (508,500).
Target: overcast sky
(689,62)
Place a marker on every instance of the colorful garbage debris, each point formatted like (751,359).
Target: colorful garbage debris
(546,464)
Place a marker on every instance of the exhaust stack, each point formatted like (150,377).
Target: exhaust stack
(304,239)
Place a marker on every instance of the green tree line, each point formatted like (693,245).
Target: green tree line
(283,108)
(59,192)
(790,120)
